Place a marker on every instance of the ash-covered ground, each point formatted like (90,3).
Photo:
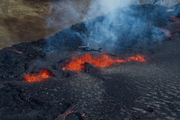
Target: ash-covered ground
(130,91)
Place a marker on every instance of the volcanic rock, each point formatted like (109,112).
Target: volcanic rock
(89,68)
(16,103)
(149,109)
(72,117)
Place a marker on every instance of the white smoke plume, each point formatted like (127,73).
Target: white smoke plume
(119,26)
(102,7)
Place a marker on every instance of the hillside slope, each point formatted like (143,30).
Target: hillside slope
(26,20)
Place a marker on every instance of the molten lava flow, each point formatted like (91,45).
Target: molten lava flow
(103,60)
(42,74)
(136,58)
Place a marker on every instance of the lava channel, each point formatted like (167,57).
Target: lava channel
(103,60)
(37,77)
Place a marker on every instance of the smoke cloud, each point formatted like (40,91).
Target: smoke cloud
(122,27)
(102,7)
(116,25)
(63,14)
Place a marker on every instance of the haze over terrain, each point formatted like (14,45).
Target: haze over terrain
(26,20)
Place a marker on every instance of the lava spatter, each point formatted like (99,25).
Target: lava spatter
(42,74)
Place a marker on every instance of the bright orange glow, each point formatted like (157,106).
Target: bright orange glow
(100,61)
(43,74)
(63,68)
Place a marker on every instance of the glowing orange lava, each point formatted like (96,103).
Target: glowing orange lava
(43,74)
(100,61)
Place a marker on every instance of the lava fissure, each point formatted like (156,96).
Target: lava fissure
(103,60)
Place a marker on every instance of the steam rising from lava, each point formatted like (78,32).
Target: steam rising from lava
(76,63)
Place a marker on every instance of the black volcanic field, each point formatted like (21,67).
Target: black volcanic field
(130,91)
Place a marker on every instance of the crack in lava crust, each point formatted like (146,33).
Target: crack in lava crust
(103,60)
